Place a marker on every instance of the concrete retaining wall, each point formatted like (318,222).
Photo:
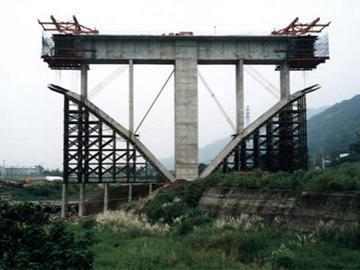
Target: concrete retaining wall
(301,212)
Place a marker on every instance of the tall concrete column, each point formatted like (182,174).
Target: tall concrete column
(150,188)
(130,194)
(84,81)
(84,96)
(65,202)
(239,96)
(131,96)
(81,199)
(106,197)
(186,111)
(284,80)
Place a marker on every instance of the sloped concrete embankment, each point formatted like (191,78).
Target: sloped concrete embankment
(300,212)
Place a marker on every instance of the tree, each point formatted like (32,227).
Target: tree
(30,240)
(40,168)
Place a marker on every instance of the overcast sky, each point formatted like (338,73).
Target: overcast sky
(31,116)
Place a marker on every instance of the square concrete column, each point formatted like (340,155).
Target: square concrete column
(106,197)
(131,96)
(239,96)
(186,111)
(84,96)
(84,82)
(81,199)
(65,200)
(284,81)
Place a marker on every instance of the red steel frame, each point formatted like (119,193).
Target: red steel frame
(297,29)
(73,27)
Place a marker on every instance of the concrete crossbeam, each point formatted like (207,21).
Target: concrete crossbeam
(144,49)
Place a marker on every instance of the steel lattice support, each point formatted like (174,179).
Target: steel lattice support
(279,144)
(95,153)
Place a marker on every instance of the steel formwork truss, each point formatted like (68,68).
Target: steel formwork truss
(95,153)
(279,144)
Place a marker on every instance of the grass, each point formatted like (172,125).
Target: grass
(193,240)
(136,248)
(173,234)
(219,245)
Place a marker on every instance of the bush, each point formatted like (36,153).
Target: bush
(348,237)
(345,177)
(176,206)
(247,246)
(282,258)
(29,240)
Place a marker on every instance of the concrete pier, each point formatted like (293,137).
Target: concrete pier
(130,195)
(239,96)
(150,188)
(186,111)
(84,81)
(81,200)
(131,96)
(65,200)
(84,96)
(106,198)
(284,81)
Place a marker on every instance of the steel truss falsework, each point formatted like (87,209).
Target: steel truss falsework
(275,141)
(99,150)
(278,144)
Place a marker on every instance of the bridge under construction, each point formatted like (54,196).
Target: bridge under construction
(97,149)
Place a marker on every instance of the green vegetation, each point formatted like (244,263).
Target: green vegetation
(169,232)
(127,241)
(30,240)
(345,177)
(179,200)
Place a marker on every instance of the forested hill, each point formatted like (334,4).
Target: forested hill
(331,131)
